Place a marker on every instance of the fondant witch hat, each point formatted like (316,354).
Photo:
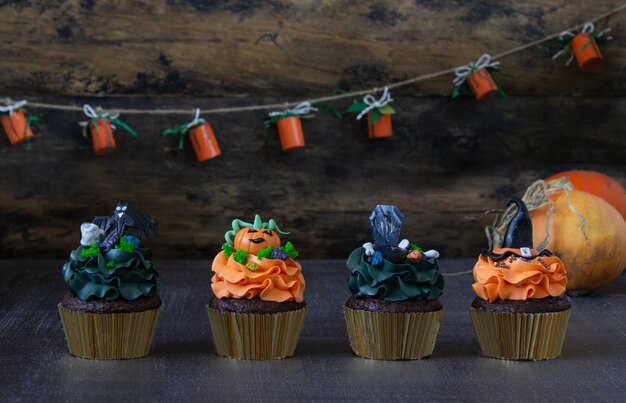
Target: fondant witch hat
(519,232)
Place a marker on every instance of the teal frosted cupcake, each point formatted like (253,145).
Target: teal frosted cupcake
(394,312)
(112,306)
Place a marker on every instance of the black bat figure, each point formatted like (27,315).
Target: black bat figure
(115,225)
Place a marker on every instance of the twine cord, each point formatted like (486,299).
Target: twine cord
(375,90)
(372,102)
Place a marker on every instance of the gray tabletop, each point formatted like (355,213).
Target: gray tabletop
(183,364)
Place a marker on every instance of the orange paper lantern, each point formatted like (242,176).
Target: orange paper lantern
(587,52)
(16,126)
(381,128)
(290,132)
(482,85)
(204,142)
(102,136)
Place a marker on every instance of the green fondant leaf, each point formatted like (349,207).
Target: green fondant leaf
(291,250)
(265,253)
(91,251)
(228,250)
(125,246)
(417,248)
(241,255)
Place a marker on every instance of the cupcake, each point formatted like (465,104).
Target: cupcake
(394,312)
(112,307)
(258,307)
(521,310)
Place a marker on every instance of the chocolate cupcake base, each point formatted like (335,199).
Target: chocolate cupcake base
(385,330)
(506,334)
(255,329)
(109,336)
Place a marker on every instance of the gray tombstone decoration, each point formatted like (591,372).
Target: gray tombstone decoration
(386,222)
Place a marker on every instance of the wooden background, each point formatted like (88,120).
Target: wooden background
(449,160)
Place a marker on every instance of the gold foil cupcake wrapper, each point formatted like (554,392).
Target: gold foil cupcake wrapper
(392,336)
(109,336)
(523,336)
(251,336)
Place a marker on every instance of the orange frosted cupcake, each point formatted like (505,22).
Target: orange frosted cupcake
(521,310)
(258,307)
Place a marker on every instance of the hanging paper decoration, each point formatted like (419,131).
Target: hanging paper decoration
(378,113)
(584,47)
(201,136)
(477,77)
(289,125)
(101,129)
(16,122)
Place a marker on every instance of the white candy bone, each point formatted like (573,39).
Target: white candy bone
(404,244)
(432,254)
(369,248)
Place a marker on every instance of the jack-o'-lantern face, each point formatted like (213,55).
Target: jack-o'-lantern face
(254,239)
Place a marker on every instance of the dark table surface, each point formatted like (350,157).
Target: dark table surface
(183,365)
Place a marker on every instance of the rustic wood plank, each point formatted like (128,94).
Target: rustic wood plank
(183,365)
(289,48)
(448,161)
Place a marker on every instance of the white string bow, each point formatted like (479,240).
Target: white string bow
(372,102)
(197,120)
(484,61)
(302,109)
(91,114)
(12,107)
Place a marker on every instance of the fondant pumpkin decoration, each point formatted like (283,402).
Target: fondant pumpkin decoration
(585,231)
(252,237)
(597,184)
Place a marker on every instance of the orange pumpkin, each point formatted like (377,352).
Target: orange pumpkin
(597,184)
(253,239)
(586,232)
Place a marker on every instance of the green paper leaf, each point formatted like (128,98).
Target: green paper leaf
(375,116)
(357,107)
(386,110)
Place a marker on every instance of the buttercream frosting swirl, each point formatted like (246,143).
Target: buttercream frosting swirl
(518,278)
(412,279)
(111,275)
(274,279)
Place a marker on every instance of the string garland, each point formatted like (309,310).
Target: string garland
(350,94)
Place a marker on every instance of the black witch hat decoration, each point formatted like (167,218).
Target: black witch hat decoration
(519,234)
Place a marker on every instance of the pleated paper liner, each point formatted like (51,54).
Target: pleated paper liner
(523,336)
(256,336)
(392,336)
(109,336)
